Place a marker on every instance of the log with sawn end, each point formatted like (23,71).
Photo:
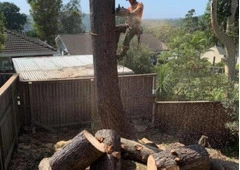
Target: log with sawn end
(78,154)
(192,157)
(112,159)
(136,151)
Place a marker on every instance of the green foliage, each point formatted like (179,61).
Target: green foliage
(163,31)
(2,35)
(71,18)
(231,103)
(164,83)
(190,44)
(237,67)
(190,22)
(211,87)
(224,11)
(189,75)
(46,15)
(138,59)
(13,19)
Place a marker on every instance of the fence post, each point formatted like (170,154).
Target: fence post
(94,113)
(154,99)
(32,116)
(14,107)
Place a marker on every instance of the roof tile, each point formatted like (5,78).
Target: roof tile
(18,43)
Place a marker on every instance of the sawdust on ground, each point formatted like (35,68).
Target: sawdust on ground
(33,147)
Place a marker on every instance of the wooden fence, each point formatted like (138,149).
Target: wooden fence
(8,121)
(67,102)
(190,120)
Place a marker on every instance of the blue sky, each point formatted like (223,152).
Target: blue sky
(153,9)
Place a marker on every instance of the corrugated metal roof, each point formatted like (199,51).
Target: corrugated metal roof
(60,67)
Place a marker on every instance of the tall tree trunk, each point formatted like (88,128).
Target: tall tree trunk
(227,41)
(110,108)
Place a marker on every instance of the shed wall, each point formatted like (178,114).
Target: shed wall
(67,102)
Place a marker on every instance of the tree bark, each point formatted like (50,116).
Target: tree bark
(110,108)
(78,154)
(136,151)
(112,159)
(228,42)
(192,157)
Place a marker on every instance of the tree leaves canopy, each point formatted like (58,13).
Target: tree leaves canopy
(71,18)
(46,18)
(14,20)
(2,35)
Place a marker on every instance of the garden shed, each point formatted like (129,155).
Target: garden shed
(59,91)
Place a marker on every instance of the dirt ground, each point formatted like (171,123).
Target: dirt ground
(33,146)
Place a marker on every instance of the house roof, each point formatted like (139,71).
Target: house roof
(20,45)
(81,44)
(214,53)
(77,44)
(153,43)
(58,67)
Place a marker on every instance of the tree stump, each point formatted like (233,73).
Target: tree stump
(192,157)
(112,159)
(136,151)
(78,154)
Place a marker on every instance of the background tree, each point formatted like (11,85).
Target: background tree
(71,18)
(224,20)
(14,20)
(164,90)
(185,66)
(110,108)
(163,31)
(46,15)
(138,58)
(190,22)
(2,35)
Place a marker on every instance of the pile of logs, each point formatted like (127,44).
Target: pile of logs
(106,149)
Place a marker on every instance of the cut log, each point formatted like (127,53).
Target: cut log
(136,151)
(203,141)
(78,154)
(148,142)
(192,157)
(112,159)
(60,144)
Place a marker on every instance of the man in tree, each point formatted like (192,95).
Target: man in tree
(134,13)
(109,104)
